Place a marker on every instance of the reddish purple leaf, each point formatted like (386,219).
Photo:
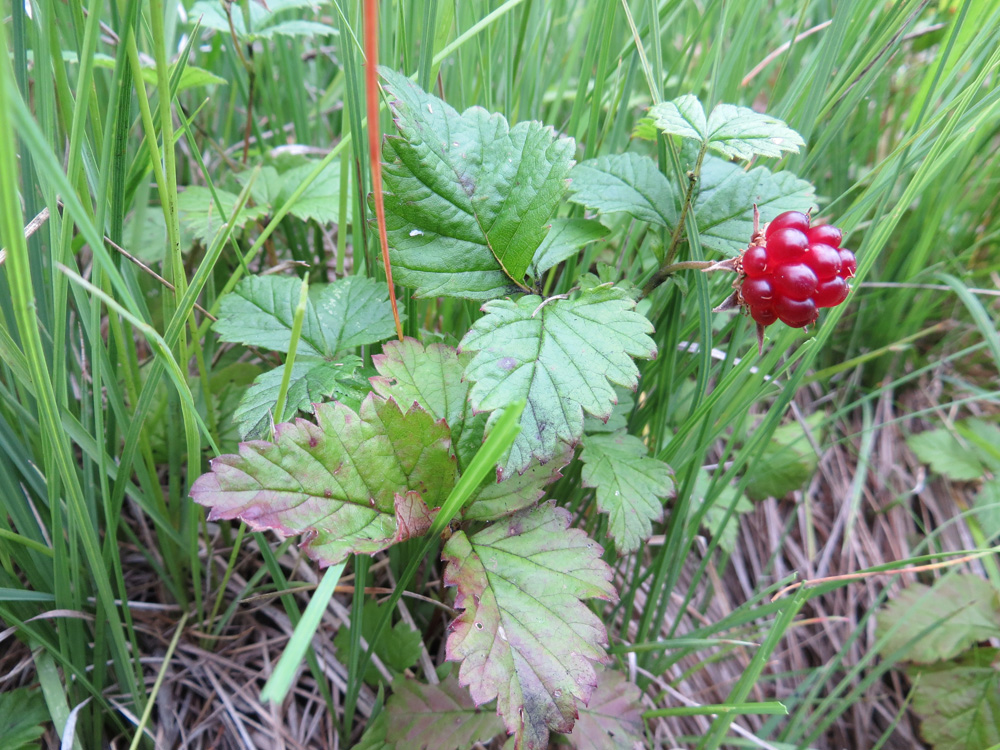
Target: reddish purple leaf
(612,719)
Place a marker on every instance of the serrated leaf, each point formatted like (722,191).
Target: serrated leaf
(714,519)
(321,200)
(349,312)
(612,720)
(959,701)
(22,716)
(563,357)
(374,736)
(494,498)
(565,238)
(467,198)
(630,485)
(724,204)
(946,455)
(312,380)
(437,717)
(944,619)
(786,463)
(262,18)
(398,649)
(628,183)
(525,636)
(265,187)
(352,482)
(735,132)
(191,76)
(199,215)
(619,414)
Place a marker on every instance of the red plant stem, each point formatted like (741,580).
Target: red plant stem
(374,137)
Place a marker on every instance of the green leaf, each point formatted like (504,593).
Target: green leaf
(627,183)
(296,28)
(441,716)
(191,76)
(735,132)
(22,716)
(263,24)
(265,188)
(312,381)
(562,356)
(786,464)
(321,200)
(612,720)
(525,636)
(494,498)
(724,204)
(619,414)
(198,214)
(398,650)
(714,521)
(353,482)
(946,455)
(959,701)
(630,485)
(374,736)
(467,198)
(942,620)
(349,312)
(564,239)
(987,507)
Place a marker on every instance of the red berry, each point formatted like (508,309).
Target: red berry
(795,281)
(757,292)
(795,313)
(848,264)
(789,219)
(755,262)
(826,235)
(831,293)
(786,245)
(763,315)
(823,260)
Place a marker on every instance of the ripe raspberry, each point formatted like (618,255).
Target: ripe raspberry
(789,271)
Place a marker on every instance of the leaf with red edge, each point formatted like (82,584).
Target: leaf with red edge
(493,498)
(612,719)
(525,637)
(352,482)
(437,717)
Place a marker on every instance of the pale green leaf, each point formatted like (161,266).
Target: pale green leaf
(312,381)
(959,701)
(626,183)
(495,498)
(266,185)
(987,507)
(321,200)
(349,312)
(619,414)
(612,719)
(525,636)
(946,455)
(212,15)
(295,28)
(441,716)
(631,486)
(564,239)
(787,463)
(938,622)
(563,357)
(468,198)
(200,216)
(735,132)
(714,519)
(352,482)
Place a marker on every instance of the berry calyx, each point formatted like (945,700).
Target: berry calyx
(789,271)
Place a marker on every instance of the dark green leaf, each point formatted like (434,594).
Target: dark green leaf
(564,239)
(321,200)
(563,357)
(22,716)
(627,183)
(786,464)
(467,198)
(938,622)
(349,312)
(398,649)
(525,636)
(630,485)
(353,482)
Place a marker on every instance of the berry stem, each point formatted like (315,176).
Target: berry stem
(668,267)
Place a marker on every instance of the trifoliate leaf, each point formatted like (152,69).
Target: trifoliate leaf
(442,716)
(525,637)
(312,381)
(612,720)
(467,198)
(724,204)
(563,356)
(735,132)
(22,718)
(959,701)
(564,239)
(199,215)
(433,378)
(398,649)
(941,620)
(630,485)
(347,313)
(353,482)
(628,183)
